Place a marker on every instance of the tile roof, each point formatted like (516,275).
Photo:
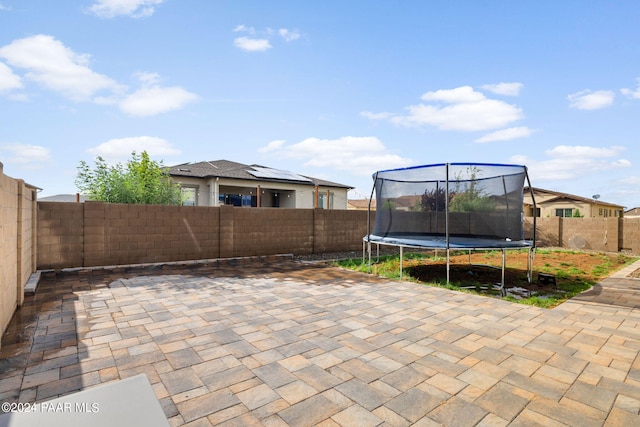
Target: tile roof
(567,196)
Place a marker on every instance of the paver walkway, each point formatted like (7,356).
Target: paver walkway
(274,342)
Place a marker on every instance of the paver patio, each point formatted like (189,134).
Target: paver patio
(271,341)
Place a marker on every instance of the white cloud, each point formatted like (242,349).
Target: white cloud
(632,93)
(631,180)
(8,80)
(120,149)
(468,110)
(288,35)
(507,89)
(589,100)
(506,134)
(263,42)
(459,95)
(29,156)
(357,155)
(152,100)
(56,67)
(568,162)
(4,8)
(252,45)
(582,151)
(148,79)
(244,28)
(272,146)
(376,116)
(132,8)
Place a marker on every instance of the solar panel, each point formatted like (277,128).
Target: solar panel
(269,173)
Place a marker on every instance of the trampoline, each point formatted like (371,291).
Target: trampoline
(451,206)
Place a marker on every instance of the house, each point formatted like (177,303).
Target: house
(552,203)
(223,182)
(632,213)
(63,198)
(360,204)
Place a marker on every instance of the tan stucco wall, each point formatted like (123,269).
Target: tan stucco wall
(548,207)
(291,195)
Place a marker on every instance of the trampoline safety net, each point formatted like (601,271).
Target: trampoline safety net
(452,205)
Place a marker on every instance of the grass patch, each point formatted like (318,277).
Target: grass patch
(574,272)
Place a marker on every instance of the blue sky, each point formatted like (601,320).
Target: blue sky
(331,89)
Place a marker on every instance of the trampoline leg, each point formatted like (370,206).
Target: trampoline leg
(401,262)
(503,292)
(532,252)
(447,266)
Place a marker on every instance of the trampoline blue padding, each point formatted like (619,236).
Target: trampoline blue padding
(440,242)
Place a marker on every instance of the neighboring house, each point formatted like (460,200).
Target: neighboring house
(222,182)
(63,198)
(402,203)
(360,204)
(552,203)
(632,213)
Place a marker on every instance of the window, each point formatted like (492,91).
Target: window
(238,200)
(189,196)
(564,212)
(322,200)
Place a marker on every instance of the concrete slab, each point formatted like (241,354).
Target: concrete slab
(126,403)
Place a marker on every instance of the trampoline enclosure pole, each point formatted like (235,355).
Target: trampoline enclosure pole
(375,181)
(446,217)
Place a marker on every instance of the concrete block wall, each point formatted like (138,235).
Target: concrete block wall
(27,237)
(17,237)
(630,235)
(60,234)
(116,234)
(599,234)
(548,232)
(94,233)
(8,249)
(339,230)
(269,231)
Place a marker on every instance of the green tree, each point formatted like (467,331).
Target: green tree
(469,196)
(141,181)
(435,199)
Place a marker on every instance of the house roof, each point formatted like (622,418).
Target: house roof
(361,203)
(566,196)
(62,198)
(234,170)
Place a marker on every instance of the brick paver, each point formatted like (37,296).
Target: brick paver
(269,341)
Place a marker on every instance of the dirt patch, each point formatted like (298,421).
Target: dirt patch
(485,268)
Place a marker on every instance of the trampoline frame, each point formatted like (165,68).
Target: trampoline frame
(517,245)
